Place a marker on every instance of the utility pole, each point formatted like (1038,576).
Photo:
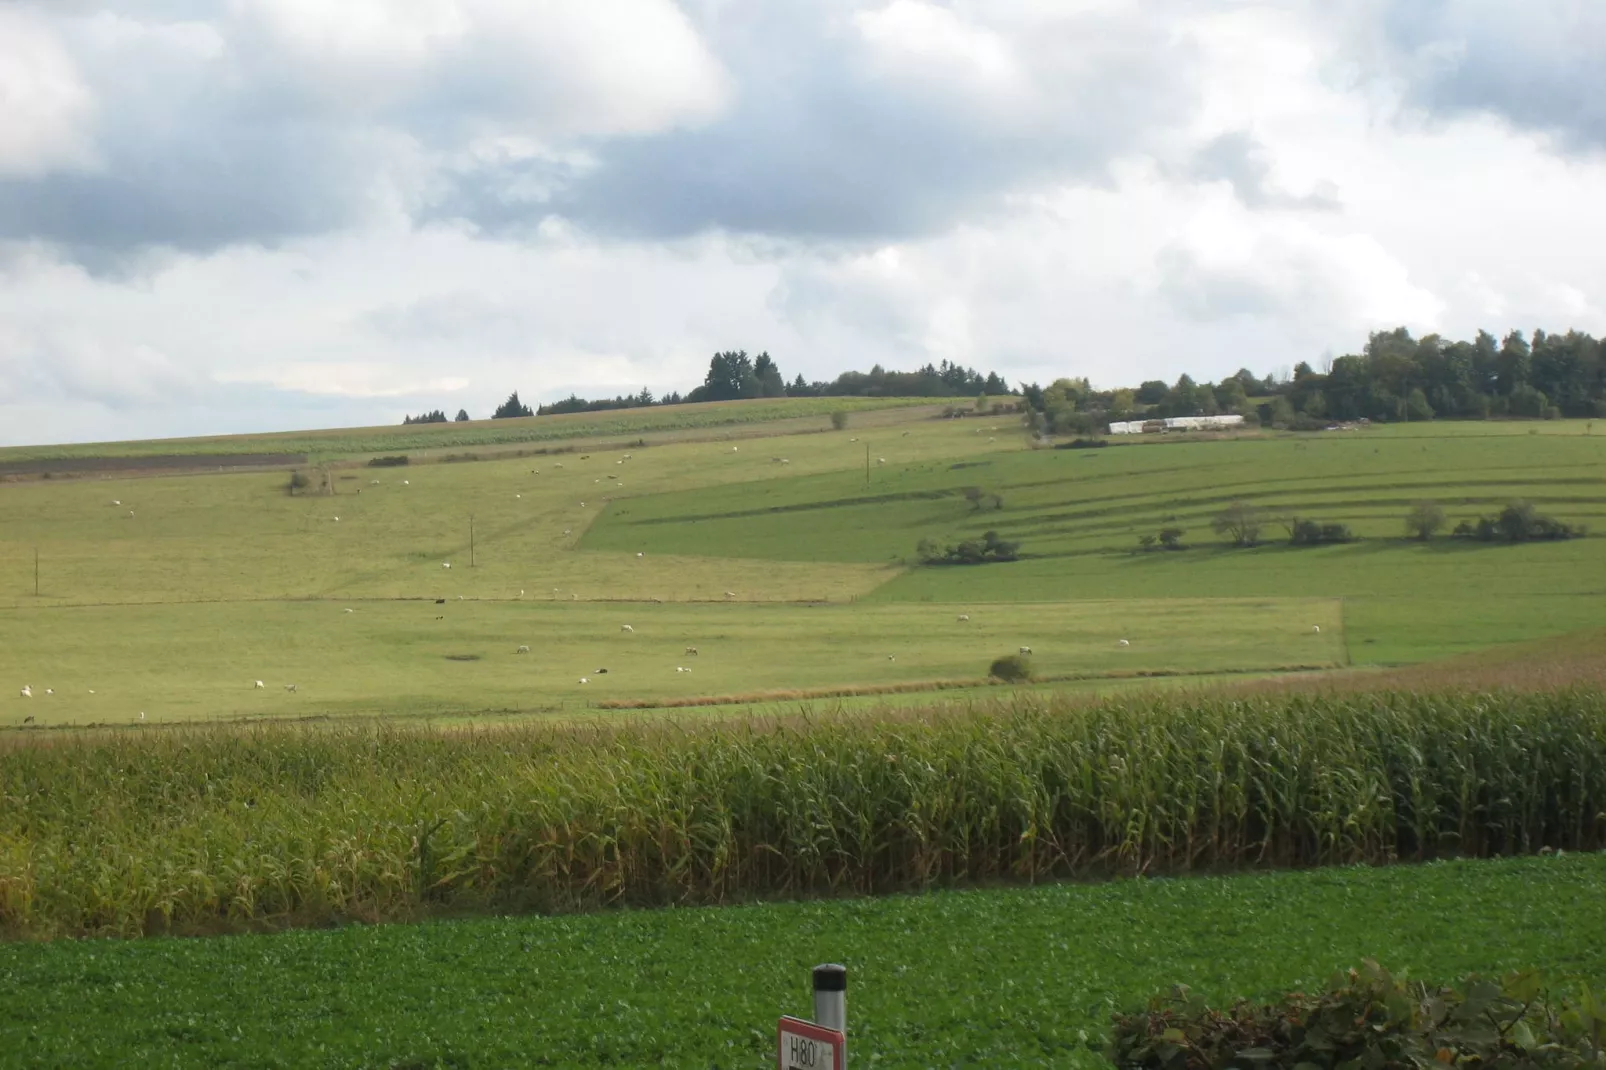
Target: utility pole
(867,464)
(471,540)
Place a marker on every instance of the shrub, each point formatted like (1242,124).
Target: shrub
(839,419)
(1083,444)
(1425,520)
(388,462)
(1370,1018)
(299,481)
(1012,669)
(989,548)
(1171,538)
(1241,522)
(1518,522)
(1310,533)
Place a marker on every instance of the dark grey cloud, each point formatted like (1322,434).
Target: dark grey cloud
(823,141)
(1536,64)
(1240,160)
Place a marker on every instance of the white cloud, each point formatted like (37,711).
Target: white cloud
(299,214)
(46,110)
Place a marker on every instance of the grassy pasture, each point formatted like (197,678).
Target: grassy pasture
(250,581)
(1078,515)
(199,660)
(436,438)
(1023,977)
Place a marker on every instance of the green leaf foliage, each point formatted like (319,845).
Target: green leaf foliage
(1370,1019)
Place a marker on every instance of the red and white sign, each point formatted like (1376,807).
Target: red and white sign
(806,1046)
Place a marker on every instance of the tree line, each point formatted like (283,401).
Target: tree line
(1395,377)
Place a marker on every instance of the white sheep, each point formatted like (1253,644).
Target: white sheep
(733,449)
(891,658)
(964,617)
(142,715)
(1316,629)
(880,460)
(730,594)
(289,687)
(641,555)
(691,650)
(522,650)
(259,686)
(350,610)
(50,691)
(1025,651)
(373,482)
(404,483)
(446,564)
(583,680)
(27,691)
(626,628)
(681,668)
(337,520)
(116,502)
(1122,642)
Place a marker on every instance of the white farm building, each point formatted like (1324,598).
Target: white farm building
(1177,423)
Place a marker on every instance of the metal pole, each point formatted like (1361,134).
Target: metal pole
(831,997)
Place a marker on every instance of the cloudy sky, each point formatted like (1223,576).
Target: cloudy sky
(229,215)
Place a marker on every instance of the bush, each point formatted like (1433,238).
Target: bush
(1310,533)
(1369,1018)
(1167,539)
(1083,444)
(1424,520)
(1241,522)
(396,461)
(987,549)
(1012,669)
(299,481)
(1518,522)
(839,419)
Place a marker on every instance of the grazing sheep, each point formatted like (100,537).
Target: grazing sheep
(373,482)
(692,651)
(27,691)
(50,691)
(91,691)
(518,495)
(641,555)
(1316,629)
(28,719)
(142,715)
(891,658)
(350,610)
(289,687)
(880,460)
(446,564)
(259,686)
(733,449)
(626,628)
(337,520)
(522,650)
(558,464)
(853,440)
(681,668)
(116,502)
(404,483)
(785,461)
(600,672)
(1122,642)
(568,531)
(963,617)
(1025,651)
(131,512)
(583,680)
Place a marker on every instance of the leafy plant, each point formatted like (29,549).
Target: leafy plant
(1369,1018)
(1012,669)
(1425,520)
(987,549)
(1518,522)
(1312,533)
(1241,522)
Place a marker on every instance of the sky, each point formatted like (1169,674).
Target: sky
(245,215)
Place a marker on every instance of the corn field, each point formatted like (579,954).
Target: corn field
(221,827)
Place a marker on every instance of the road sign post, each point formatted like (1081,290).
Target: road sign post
(821,1044)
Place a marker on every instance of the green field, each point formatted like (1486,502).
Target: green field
(1024,977)
(784,559)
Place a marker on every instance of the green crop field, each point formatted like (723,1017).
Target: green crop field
(1025,977)
(783,552)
